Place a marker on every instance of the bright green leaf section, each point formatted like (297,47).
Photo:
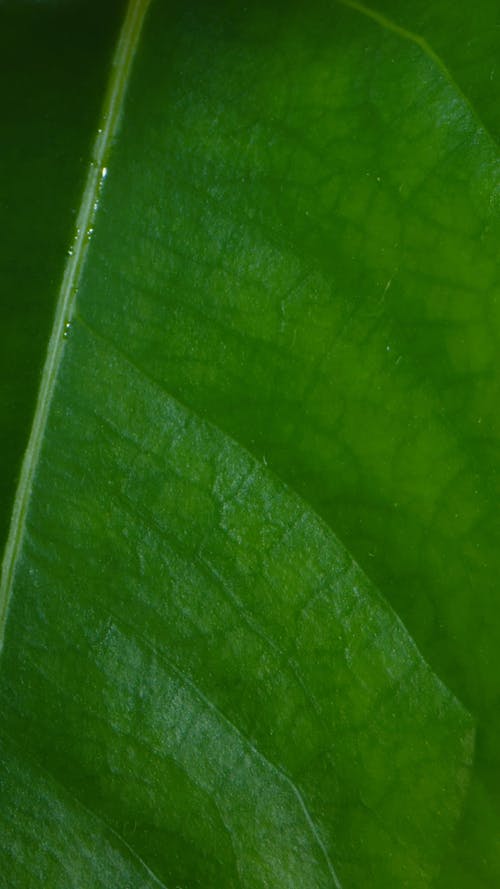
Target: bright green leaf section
(309,226)
(192,654)
(296,251)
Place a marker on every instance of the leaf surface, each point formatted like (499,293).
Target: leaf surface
(44,148)
(286,324)
(190,651)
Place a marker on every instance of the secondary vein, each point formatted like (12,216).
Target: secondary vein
(426,48)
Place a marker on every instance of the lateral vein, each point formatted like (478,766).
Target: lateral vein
(426,48)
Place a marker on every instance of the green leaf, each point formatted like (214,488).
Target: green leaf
(228,661)
(44,149)
(285,327)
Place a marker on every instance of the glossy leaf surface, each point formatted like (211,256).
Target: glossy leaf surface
(294,258)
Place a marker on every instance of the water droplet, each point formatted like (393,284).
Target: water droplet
(66,331)
(104,172)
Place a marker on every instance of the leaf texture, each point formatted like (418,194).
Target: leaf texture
(286,324)
(189,649)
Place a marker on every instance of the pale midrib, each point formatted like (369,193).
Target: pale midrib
(113,102)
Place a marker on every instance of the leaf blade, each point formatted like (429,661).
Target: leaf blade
(258,347)
(219,654)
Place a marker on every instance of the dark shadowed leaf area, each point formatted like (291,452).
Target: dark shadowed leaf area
(253,631)
(54,59)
